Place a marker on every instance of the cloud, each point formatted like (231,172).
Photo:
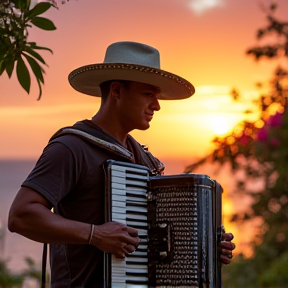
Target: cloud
(201,6)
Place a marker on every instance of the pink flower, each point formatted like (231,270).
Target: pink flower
(275,120)
(263,134)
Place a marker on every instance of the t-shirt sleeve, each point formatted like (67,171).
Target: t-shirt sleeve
(54,174)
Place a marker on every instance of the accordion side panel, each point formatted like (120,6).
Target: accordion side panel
(186,207)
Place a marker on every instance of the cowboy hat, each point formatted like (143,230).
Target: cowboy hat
(134,62)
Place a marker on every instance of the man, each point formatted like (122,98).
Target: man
(69,178)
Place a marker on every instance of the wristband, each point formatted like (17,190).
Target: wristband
(91,234)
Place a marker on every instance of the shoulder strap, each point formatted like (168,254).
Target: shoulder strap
(92,135)
(155,162)
(112,147)
(147,159)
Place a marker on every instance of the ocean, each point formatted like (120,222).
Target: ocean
(14,247)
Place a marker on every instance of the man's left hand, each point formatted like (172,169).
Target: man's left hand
(226,248)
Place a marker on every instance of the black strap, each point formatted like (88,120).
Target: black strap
(44,261)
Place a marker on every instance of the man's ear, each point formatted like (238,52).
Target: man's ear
(115,89)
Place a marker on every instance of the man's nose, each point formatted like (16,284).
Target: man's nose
(155,104)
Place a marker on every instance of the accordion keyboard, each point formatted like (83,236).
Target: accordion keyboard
(129,206)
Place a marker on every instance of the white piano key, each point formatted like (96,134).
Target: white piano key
(142,191)
(138,253)
(130,182)
(118,262)
(120,216)
(118,187)
(137,209)
(117,267)
(137,217)
(142,232)
(119,210)
(136,278)
(132,169)
(117,197)
(122,221)
(121,204)
(121,285)
(135,199)
(118,172)
(138,266)
(133,286)
(135,223)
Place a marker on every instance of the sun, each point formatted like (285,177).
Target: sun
(220,125)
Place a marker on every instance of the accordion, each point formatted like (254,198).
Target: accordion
(178,218)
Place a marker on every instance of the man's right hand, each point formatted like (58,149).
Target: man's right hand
(115,238)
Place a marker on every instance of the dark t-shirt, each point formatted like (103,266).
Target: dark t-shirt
(70,175)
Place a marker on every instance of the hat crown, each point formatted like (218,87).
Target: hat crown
(133,53)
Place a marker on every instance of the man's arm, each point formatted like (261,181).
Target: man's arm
(30,215)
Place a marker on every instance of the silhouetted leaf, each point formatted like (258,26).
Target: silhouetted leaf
(9,63)
(34,46)
(23,75)
(2,67)
(23,5)
(34,54)
(43,23)
(35,67)
(40,90)
(38,9)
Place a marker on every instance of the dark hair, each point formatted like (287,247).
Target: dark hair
(105,87)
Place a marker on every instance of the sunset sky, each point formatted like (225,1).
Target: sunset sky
(203,41)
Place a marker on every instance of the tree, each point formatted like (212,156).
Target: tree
(7,278)
(10,279)
(16,18)
(259,150)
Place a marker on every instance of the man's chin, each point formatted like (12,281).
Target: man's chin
(144,127)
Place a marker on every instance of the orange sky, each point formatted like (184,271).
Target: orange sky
(207,48)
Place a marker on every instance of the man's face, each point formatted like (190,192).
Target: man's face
(137,104)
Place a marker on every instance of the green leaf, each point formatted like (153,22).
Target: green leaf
(3,51)
(35,54)
(40,89)
(35,68)
(23,75)
(23,5)
(2,67)
(9,66)
(38,9)
(34,46)
(43,23)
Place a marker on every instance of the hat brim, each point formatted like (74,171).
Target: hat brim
(87,79)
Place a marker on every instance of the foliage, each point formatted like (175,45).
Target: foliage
(9,279)
(259,150)
(32,271)
(16,18)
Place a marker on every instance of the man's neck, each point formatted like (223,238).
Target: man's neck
(110,128)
